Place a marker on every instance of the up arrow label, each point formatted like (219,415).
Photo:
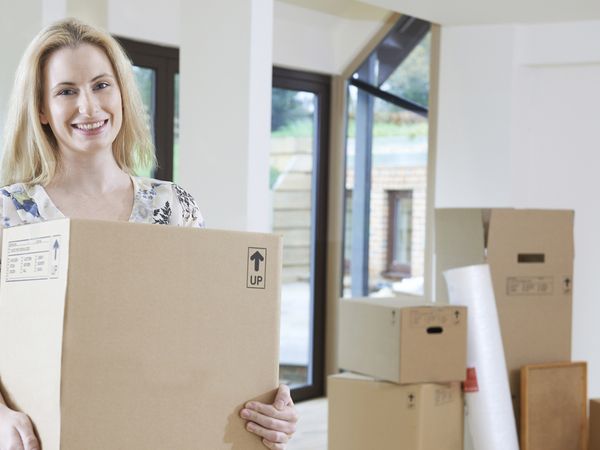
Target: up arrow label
(256,276)
(55,247)
(257,258)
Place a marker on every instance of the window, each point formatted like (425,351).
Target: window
(156,70)
(298,159)
(399,238)
(386,165)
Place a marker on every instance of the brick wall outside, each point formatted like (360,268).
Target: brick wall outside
(385,179)
(292,208)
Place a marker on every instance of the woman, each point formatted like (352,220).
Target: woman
(76,129)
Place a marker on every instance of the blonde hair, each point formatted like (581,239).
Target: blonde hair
(30,148)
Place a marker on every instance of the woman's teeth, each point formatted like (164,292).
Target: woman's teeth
(89,126)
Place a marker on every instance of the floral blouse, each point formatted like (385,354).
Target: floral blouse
(155,201)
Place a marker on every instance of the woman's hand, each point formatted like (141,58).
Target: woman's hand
(275,423)
(16,431)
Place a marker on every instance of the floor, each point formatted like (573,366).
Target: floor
(311,433)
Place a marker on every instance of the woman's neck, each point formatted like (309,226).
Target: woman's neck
(89,174)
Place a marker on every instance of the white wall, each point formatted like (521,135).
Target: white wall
(155,21)
(315,41)
(225,102)
(519,126)
(17,28)
(302,38)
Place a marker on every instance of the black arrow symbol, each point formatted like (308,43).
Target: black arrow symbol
(257,258)
(55,246)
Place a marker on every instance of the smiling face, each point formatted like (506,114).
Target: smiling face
(81,100)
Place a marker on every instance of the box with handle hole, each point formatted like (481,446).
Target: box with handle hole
(403,341)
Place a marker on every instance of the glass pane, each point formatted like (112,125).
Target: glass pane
(348,214)
(399,163)
(402,232)
(146,81)
(176,131)
(291,165)
(411,79)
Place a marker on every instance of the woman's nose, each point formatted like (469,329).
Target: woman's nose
(87,104)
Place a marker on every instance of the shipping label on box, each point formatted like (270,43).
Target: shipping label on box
(387,338)
(120,335)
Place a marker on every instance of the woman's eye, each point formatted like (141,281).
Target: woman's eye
(102,85)
(66,92)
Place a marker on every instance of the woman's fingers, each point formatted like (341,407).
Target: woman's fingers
(275,423)
(283,397)
(269,422)
(276,437)
(27,436)
(288,413)
(13,442)
(273,445)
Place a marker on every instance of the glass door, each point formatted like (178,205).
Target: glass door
(298,176)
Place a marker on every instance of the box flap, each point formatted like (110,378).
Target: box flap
(459,241)
(35,261)
(529,236)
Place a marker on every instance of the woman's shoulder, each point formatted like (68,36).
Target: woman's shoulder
(20,204)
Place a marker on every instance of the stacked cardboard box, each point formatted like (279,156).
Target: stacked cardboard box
(118,335)
(411,357)
(530,254)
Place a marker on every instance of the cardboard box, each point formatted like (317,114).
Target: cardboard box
(403,341)
(369,414)
(129,336)
(530,253)
(594,426)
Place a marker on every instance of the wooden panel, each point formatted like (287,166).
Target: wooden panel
(554,406)
(594,425)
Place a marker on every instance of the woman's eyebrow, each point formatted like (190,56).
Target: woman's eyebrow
(102,75)
(70,83)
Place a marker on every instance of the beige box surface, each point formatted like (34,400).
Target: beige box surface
(530,254)
(130,336)
(403,341)
(369,414)
(594,425)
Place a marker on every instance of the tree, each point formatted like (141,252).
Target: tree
(286,108)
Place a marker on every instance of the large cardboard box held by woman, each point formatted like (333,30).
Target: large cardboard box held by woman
(129,336)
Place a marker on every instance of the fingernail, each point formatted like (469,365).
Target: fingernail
(251,405)
(245,413)
(279,404)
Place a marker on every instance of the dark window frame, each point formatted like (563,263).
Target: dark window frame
(321,86)
(165,61)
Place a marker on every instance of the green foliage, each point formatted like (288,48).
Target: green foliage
(297,128)
(411,79)
(286,108)
(273,175)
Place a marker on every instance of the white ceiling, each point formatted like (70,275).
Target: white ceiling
(346,9)
(466,12)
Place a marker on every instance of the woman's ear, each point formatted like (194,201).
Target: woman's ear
(43,118)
